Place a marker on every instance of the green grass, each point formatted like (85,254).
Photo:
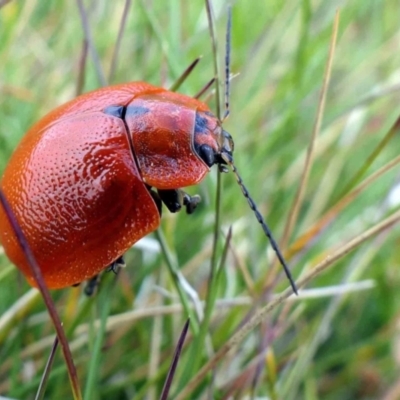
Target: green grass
(332,346)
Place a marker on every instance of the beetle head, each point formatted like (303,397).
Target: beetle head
(211,143)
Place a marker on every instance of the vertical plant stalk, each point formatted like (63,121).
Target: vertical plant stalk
(117,47)
(176,280)
(218,195)
(198,344)
(39,280)
(215,56)
(159,35)
(88,37)
(103,299)
(156,338)
(81,68)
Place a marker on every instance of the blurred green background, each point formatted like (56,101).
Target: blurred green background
(338,344)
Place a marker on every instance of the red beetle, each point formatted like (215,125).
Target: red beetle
(81,181)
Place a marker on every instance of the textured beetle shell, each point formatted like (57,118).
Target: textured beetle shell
(76,190)
(163,148)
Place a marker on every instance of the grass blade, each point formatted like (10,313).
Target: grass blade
(174,363)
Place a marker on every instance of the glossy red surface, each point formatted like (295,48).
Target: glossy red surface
(74,185)
(163,142)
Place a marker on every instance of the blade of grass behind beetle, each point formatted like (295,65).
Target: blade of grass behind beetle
(155,25)
(80,81)
(89,39)
(174,271)
(184,75)
(117,46)
(17,312)
(381,145)
(294,212)
(98,334)
(46,372)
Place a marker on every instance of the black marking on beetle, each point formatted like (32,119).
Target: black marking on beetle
(115,111)
(134,111)
(206,153)
(200,124)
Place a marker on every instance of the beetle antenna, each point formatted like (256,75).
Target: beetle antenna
(227,62)
(228,159)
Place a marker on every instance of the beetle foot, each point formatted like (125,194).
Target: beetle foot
(191,202)
(223,169)
(174,199)
(116,265)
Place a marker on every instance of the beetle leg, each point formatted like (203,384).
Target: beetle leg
(174,199)
(190,202)
(116,265)
(92,285)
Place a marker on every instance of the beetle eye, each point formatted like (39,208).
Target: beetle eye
(226,144)
(206,153)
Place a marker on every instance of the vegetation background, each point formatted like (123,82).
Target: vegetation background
(340,339)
